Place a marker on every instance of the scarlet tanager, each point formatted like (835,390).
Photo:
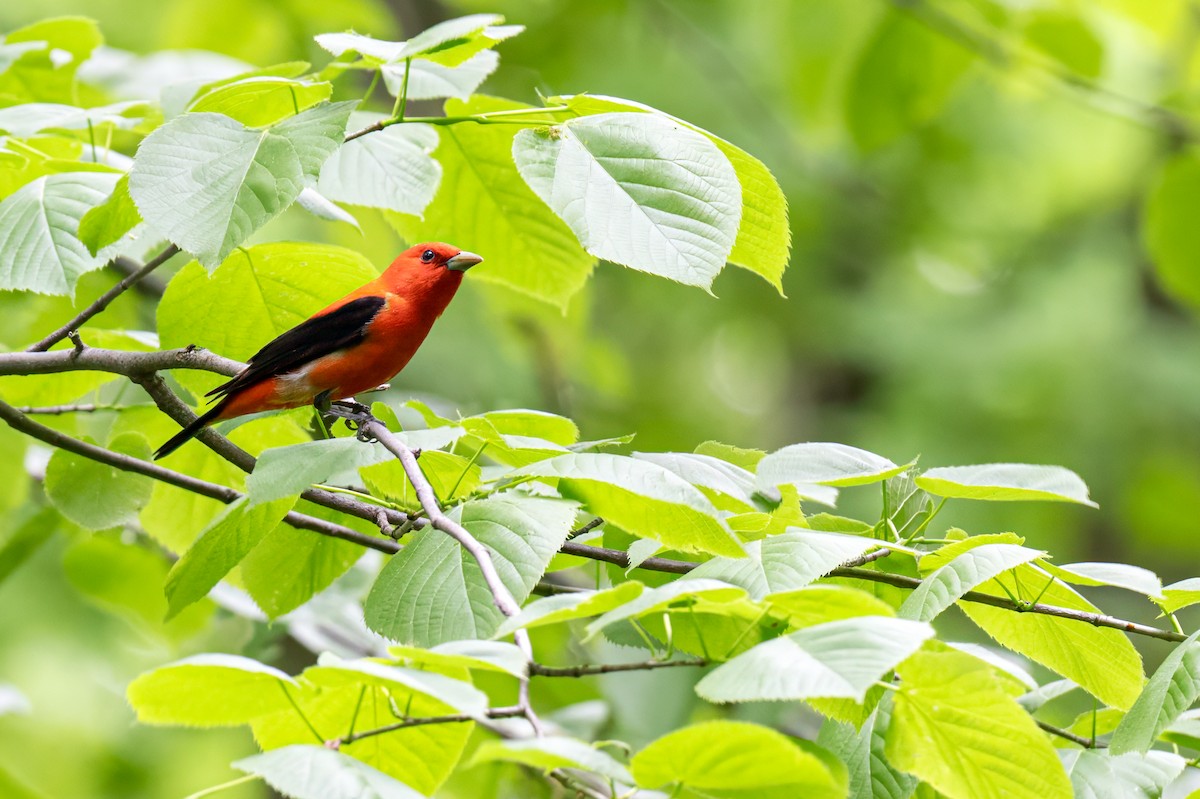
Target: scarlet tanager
(357,343)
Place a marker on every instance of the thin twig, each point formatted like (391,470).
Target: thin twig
(373,428)
(460,718)
(1086,743)
(104,300)
(538,670)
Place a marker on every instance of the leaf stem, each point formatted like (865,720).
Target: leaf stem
(223,786)
(402,100)
(350,492)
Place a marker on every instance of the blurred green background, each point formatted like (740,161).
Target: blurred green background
(968,284)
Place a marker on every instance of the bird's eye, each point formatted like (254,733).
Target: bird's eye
(427,256)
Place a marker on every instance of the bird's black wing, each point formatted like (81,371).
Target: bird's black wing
(321,335)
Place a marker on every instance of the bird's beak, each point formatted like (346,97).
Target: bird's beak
(463,261)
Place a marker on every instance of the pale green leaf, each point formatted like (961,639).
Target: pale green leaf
(444,36)
(428,80)
(95,495)
(565,607)
(23,121)
(208,182)
(764,235)
(640,497)
(1119,575)
(816,604)
(1006,482)
(943,587)
(288,471)
(737,760)
(1096,774)
(110,221)
(824,464)
(706,471)
(785,562)
(838,659)
(534,424)
(638,190)
(220,547)
(552,753)
(1066,37)
(39,223)
(1181,594)
(483,206)
(209,691)
(433,591)
(314,772)
(955,728)
(322,207)
(391,168)
(1170,691)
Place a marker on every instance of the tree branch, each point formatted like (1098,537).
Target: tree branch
(461,718)
(1086,743)
(22,423)
(104,300)
(138,364)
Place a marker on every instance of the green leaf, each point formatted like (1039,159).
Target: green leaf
(734,759)
(565,607)
(39,223)
(1066,37)
(220,547)
(95,495)
(1181,594)
(391,169)
(209,691)
(1102,661)
(824,464)
(641,498)
(21,540)
(288,471)
(451,476)
(637,190)
(1119,575)
(277,287)
(111,220)
(443,37)
(484,206)
(785,562)
(764,237)
(261,100)
(453,696)
(839,659)
(1096,774)
(433,591)
(955,728)
(1006,482)
(25,120)
(943,587)
(323,208)
(533,424)
(1170,691)
(552,753)
(706,471)
(208,182)
(678,593)
(904,76)
(1167,228)
(871,775)
(289,566)
(470,654)
(816,604)
(314,772)
(46,69)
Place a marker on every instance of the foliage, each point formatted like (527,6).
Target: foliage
(668,563)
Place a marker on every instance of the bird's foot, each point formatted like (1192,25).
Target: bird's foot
(357,416)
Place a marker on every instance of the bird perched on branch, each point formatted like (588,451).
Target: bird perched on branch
(357,343)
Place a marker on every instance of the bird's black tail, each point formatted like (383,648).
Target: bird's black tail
(187,433)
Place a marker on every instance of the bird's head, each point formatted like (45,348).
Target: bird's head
(429,267)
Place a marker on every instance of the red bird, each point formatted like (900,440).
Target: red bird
(357,343)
